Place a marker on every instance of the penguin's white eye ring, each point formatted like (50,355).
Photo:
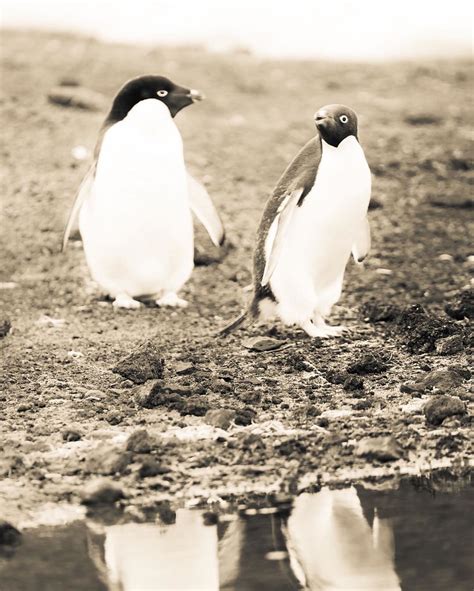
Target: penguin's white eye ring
(162,93)
(343,118)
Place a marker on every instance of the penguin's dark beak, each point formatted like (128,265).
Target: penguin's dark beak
(321,117)
(195,95)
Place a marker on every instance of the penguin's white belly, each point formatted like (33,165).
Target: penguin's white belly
(308,276)
(136,225)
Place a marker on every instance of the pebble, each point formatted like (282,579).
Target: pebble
(145,363)
(368,364)
(384,449)
(77,97)
(5,327)
(107,460)
(220,417)
(150,468)
(261,344)
(440,407)
(450,345)
(9,535)
(140,442)
(71,435)
(441,379)
(182,368)
(101,492)
(462,305)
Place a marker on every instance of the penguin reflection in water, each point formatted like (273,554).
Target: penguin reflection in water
(135,201)
(315,217)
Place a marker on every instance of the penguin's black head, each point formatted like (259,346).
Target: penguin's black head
(336,122)
(151,87)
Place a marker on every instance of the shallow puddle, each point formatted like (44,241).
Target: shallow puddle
(352,538)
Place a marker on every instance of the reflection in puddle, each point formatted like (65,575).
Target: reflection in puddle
(352,539)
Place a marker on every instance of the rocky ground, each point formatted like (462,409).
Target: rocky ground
(149,401)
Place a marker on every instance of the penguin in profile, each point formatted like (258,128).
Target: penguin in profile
(135,201)
(315,218)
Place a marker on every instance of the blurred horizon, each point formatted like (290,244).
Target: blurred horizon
(351,30)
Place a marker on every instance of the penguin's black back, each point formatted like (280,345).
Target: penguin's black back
(300,173)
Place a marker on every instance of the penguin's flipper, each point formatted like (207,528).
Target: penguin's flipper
(82,193)
(361,246)
(203,208)
(276,233)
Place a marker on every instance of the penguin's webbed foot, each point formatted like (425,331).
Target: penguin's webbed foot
(125,301)
(172,300)
(322,330)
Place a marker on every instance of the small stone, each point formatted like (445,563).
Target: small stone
(374,311)
(445,257)
(367,364)
(171,395)
(5,327)
(145,363)
(441,407)
(107,460)
(77,97)
(441,379)
(462,305)
(384,449)
(423,118)
(101,492)
(181,368)
(114,417)
(151,468)
(450,345)
(353,383)
(245,416)
(140,442)
(261,344)
(9,535)
(71,435)
(339,413)
(418,330)
(220,417)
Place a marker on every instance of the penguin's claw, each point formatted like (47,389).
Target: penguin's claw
(172,300)
(322,331)
(125,301)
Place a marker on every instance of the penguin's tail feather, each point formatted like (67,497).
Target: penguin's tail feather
(233,325)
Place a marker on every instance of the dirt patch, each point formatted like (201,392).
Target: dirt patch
(222,419)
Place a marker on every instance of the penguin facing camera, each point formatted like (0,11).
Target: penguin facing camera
(315,217)
(135,202)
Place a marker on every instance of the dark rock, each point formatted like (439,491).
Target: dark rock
(220,417)
(442,379)
(107,460)
(140,442)
(368,363)
(166,514)
(353,383)
(9,535)
(374,311)
(161,393)
(77,98)
(101,492)
(196,406)
(363,404)
(462,306)
(69,81)
(145,363)
(245,416)
(261,344)
(423,118)
(114,417)
(440,407)
(151,468)
(71,435)
(210,518)
(375,204)
(450,345)
(336,377)
(419,331)
(383,449)
(451,201)
(5,327)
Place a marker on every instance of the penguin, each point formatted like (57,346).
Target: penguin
(135,202)
(315,217)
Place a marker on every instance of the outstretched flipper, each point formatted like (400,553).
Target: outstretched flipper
(276,234)
(82,193)
(203,208)
(361,246)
